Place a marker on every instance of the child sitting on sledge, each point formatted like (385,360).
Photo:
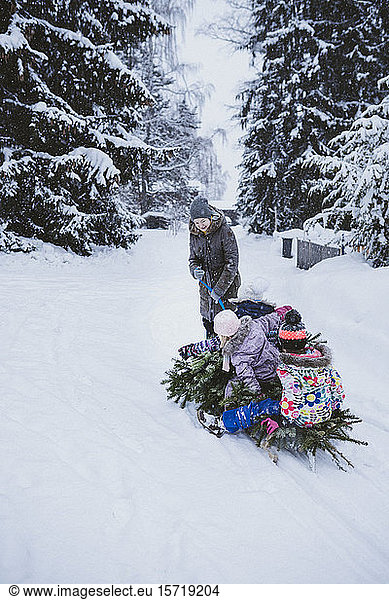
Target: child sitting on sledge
(311,387)
(252,301)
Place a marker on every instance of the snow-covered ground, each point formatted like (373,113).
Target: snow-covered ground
(104,480)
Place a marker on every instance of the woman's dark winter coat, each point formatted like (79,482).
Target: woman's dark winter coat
(216,252)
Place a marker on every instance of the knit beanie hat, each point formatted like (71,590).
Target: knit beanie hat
(255,290)
(200,209)
(292,332)
(226,323)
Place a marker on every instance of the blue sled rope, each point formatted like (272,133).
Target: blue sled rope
(211,290)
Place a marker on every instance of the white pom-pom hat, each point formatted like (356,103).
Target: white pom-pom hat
(226,323)
(253,290)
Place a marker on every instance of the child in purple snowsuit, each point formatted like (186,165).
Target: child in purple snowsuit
(246,346)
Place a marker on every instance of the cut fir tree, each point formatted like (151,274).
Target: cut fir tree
(202,381)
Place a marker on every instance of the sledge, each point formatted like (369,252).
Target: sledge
(201,380)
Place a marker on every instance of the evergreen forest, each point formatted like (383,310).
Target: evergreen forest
(99,128)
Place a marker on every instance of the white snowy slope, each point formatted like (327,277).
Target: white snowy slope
(104,480)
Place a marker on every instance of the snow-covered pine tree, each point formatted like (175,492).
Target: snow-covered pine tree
(69,103)
(169,186)
(173,186)
(173,120)
(355,183)
(317,65)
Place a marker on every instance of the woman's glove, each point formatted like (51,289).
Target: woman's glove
(214,296)
(199,273)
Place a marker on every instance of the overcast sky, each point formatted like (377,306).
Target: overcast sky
(224,69)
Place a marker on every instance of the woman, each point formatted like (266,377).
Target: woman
(213,259)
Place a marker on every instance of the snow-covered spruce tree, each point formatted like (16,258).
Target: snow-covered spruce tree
(169,187)
(317,65)
(69,103)
(173,186)
(355,183)
(173,120)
